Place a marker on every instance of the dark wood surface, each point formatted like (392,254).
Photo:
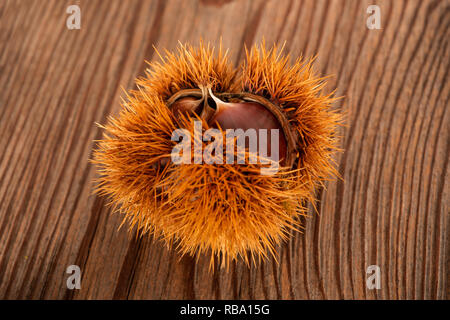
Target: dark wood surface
(391,208)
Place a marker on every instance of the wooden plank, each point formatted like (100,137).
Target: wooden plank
(390,209)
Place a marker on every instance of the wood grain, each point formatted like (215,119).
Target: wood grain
(390,209)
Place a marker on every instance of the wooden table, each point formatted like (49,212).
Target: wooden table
(391,209)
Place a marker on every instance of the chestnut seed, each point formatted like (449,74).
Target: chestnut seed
(238,111)
(186,104)
(250,115)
